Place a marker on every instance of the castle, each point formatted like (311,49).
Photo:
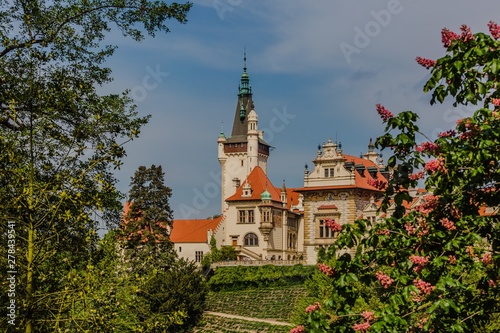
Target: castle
(265,222)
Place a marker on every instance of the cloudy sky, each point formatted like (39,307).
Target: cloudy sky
(317,69)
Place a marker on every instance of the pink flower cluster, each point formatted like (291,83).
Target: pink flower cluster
(363,327)
(446,134)
(450,225)
(427,147)
(427,63)
(494,29)
(466,135)
(422,228)
(491,283)
(452,259)
(384,113)
(385,280)
(410,229)
(416,176)
(383,232)
(419,260)
(448,36)
(334,226)
(298,329)
(313,307)
(429,204)
(327,270)
(378,184)
(424,287)
(435,165)
(487,259)
(470,251)
(495,101)
(368,316)
(466,33)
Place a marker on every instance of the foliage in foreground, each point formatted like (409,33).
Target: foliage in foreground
(60,140)
(436,268)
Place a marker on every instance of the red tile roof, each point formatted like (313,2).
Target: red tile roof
(327,207)
(189,231)
(193,231)
(259,183)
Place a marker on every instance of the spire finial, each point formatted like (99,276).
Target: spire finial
(245,60)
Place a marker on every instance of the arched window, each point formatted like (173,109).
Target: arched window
(251,239)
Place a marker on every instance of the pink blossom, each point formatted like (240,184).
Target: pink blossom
(416,176)
(424,287)
(385,280)
(470,251)
(410,229)
(313,307)
(384,113)
(298,329)
(383,232)
(448,36)
(452,259)
(363,327)
(487,259)
(419,260)
(466,135)
(491,283)
(435,165)
(427,147)
(427,63)
(368,315)
(429,204)
(450,225)
(495,101)
(494,29)
(378,184)
(327,270)
(447,134)
(334,226)
(466,33)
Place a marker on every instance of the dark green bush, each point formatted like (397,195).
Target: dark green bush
(243,277)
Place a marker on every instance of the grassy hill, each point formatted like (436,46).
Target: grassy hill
(262,299)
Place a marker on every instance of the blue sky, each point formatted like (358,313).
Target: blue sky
(317,69)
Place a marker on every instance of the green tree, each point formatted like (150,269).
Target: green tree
(436,268)
(146,226)
(169,293)
(149,219)
(60,140)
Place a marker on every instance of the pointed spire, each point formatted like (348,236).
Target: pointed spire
(245,60)
(245,88)
(371,146)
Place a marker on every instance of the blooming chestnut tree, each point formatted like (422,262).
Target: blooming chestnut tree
(435,268)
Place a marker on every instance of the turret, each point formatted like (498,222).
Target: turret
(253,141)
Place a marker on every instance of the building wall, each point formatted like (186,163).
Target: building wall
(188,250)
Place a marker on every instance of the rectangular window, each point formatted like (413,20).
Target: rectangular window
(266,216)
(242,217)
(331,172)
(180,248)
(326,173)
(198,256)
(324,231)
(250,216)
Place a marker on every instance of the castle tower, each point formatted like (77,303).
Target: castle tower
(245,149)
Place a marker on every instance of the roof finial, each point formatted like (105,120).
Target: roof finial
(245,60)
